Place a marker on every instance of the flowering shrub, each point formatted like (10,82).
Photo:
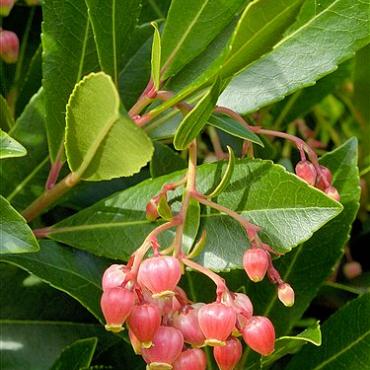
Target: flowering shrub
(179,180)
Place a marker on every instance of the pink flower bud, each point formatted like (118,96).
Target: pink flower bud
(255,263)
(187,322)
(160,275)
(135,343)
(259,334)
(5,7)
(286,294)
(228,355)
(166,348)
(9,46)
(116,304)
(332,192)
(352,269)
(217,322)
(114,276)
(191,359)
(324,174)
(144,321)
(243,302)
(306,171)
(151,210)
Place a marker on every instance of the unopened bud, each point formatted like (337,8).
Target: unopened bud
(332,192)
(255,263)
(151,210)
(228,356)
(286,295)
(306,171)
(324,179)
(9,46)
(352,269)
(5,7)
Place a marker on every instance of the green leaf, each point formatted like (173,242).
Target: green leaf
(16,235)
(6,118)
(191,225)
(77,355)
(73,272)
(165,161)
(346,338)
(189,29)
(196,119)
(68,54)
(259,28)
(225,181)
(37,344)
(9,147)
(302,57)
(101,140)
(287,209)
(234,128)
(23,180)
(156,57)
(164,210)
(113,22)
(292,344)
(309,265)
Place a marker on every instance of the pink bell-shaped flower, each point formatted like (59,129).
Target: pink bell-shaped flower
(243,302)
(286,294)
(259,334)
(217,322)
(306,171)
(324,179)
(135,343)
(5,7)
(116,304)
(113,276)
(191,359)
(255,263)
(144,321)
(187,322)
(9,46)
(228,356)
(160,275)
(167,346)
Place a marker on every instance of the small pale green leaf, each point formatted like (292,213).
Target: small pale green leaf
(16,235)
(199,246)
(225,181)
(291,344)
(101,140)
(286,208)
(113,22)
(234,128)
(191,225)
(345,341)
(9,147)
(302,57)
(190,27)
(164,210)
(197,118)
(156,57)
(77,355)
(6,118)
(69,53)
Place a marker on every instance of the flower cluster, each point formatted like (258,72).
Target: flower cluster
(168,330)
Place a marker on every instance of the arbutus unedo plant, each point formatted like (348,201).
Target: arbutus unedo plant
(189,176)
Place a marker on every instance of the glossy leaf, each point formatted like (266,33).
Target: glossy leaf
(189,29)
(9,147)
(96,129)
(292,344)
(196,119)
(164,210)
(225,181)
(37,344)
(22,180)
(68,54)
(113,22)
(302,57)
(191,225)
(73,272)
(234,128)
(156,57)
(346,340)
(77,355)
(6,118)
(302,268)
(287,209)
(16,235)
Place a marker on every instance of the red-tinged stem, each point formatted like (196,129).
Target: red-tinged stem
(141,103)
(250,228)
(54,173)
(41,233)
(215,140)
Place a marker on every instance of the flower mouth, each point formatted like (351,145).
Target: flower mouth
(114,328)
(159,366)
(214,342)
(164,294)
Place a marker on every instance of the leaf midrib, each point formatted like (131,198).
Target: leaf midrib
(114,45)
